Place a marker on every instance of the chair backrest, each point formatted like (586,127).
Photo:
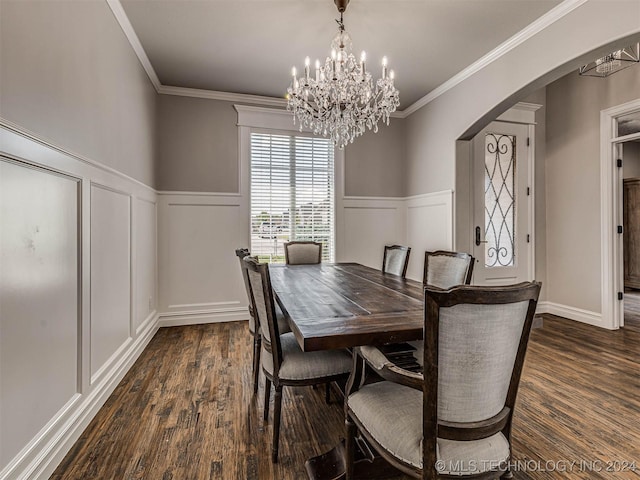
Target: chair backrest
(444,269)
(302,253)
(395,260)
(475,340)
(241,253)
(264,308)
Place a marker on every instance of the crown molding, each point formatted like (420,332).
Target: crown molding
(234,97)
(552,16)
(127,28)
(226,96)
(523,35)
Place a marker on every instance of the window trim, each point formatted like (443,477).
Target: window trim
(271,120)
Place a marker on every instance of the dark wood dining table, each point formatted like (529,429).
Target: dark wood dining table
(344,305)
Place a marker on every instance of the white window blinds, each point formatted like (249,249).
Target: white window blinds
(292,181)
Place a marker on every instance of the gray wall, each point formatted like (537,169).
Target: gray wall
(375,163)
(69,75)
(197,145)
(573,182)
(198,151)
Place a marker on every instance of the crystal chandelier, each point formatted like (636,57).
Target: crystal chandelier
(612,62)
(341,100)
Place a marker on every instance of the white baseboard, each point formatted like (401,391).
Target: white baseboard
(45,452)
(572,313)
(197,317)
(542,307)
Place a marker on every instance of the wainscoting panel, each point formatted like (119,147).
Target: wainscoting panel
(429,227)
(369,225)
(110,274)
(200,280)
(39,370)
(76,309)
(146,262)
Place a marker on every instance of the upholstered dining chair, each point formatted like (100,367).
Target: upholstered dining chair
(283,324)
(396,260)
(302,253)
(444,269)
(283,362)
(453,421)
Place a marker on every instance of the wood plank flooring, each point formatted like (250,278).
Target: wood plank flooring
(185,411)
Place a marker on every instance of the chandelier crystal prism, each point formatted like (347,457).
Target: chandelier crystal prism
(341,100)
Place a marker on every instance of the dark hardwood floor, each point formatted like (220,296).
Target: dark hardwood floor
(185,411)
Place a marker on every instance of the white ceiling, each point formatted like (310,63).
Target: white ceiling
(249,46)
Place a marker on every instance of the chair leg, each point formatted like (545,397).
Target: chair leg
(327,393)
(256,362)
(507,475)
(349,447)
(267,394)
(277,408)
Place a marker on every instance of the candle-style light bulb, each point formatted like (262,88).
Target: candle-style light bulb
(307,62)
(333,62)
(293,72)
(384,67)
(392,75)
(317,70)
(363,58)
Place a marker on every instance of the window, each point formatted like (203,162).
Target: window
(292,185)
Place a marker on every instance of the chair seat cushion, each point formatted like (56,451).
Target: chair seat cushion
(299,365)
(392,415)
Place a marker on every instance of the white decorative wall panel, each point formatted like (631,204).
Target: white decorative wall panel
(200,276)
(39,284)
(145,261)
(429,227)
(110,273)
(68,329)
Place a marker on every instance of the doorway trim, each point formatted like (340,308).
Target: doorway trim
(611,215)
(520,113)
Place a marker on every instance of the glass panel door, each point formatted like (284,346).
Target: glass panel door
(499,200)
(502,205)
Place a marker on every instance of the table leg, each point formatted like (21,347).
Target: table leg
(331,465)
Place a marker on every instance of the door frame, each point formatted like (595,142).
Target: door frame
(611,256)
(521,113)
